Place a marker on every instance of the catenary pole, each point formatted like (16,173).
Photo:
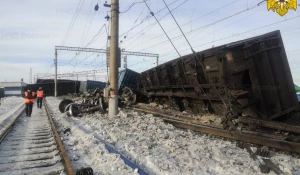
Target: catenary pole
(113,63)
(55,79)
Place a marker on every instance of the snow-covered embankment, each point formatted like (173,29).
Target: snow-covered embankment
(10,108)
(160,148)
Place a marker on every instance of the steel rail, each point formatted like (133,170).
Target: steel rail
(270,124)
(63,154)
(249,138)
(176,117)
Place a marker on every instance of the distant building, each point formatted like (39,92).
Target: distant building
(13,88)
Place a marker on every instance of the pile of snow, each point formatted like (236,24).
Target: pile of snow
(7,103)
(160,148)
(9,109)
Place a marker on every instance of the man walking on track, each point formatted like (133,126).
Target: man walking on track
(29,99)
(40,95)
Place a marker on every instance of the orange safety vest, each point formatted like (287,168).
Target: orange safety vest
(40,93)
(27,100)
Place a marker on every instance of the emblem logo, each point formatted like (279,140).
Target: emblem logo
(282,6)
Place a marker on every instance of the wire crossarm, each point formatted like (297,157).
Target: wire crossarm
(104,51)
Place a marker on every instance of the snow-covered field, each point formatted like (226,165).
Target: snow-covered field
(157,147)
(9,109)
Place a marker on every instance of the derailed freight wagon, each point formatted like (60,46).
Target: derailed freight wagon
(251,77)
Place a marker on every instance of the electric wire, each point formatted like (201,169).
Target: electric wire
(72,22)
(125,36)
(245,32)
(194,19)
(77,12)
(178,25)
(142,21)
(162,27)
(145,20)
(93,39)
(196,56)
(89,26)
(82,36)
(169,54)
(226,5)
(208,25)
(151,25)
(47,71)
(220,29)
(131,6)
(187,22)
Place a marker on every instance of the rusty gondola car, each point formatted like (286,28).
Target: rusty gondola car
(251,76)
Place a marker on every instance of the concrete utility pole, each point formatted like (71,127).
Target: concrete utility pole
(55,79)
(113,64)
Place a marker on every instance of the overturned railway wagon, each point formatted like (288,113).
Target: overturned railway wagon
(251,77)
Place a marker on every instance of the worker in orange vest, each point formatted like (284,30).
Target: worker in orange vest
(40,95)
(29,100)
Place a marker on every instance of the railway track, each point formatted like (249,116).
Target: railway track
(242,137)
(31,145)
(279,141)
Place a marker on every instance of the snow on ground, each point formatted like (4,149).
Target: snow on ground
(160,148)
(9,109)
(84,150)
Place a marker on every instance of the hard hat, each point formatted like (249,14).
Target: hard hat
(40,87)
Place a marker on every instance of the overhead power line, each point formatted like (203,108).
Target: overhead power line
(141,33)
(162,28)
(135,21)
(197,29)
(93,39)
(95,9)
(151,25)
(178,25)
(145,20)
(284,20)
(85,47)
(73,21)
(220,29)
(196,56)
(132,6)
(82,36)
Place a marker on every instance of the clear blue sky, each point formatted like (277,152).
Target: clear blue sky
(30,29)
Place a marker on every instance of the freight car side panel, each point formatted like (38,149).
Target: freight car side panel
(252,76)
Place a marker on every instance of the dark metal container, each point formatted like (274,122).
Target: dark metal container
(2,92)
(251,76)
(127,78)
(89,85)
